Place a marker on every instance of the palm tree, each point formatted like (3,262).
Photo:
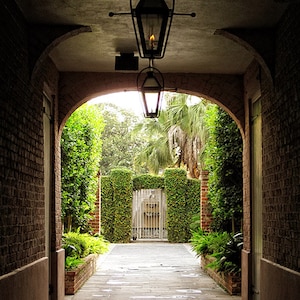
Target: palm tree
(177,138)
(187,134)
(155,156)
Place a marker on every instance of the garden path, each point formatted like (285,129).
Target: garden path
(150,270)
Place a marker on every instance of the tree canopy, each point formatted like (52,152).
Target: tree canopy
(119,147)
(177,138)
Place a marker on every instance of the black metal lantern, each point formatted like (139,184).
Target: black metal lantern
(152,22)
(150,84)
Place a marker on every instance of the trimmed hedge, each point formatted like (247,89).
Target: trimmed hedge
(107,208)
(183,202)
(147,181)
(175,185)
(122,188)
(193,190)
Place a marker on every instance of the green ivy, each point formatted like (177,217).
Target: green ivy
(183,198)
(177,221)
(122,193)
(224,162)
(107,208)
(80,155)
(193,188)
(147,181)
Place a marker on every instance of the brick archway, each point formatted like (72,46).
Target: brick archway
(224,90)
(227,91)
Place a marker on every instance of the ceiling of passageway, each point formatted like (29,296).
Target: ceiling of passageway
(192,48)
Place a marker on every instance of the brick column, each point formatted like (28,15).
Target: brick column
(96,215)
(205,212)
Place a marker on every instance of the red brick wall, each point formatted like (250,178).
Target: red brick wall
(205,209)
(95,221)
(230,282)
(21,165)
(76,278)
(281,150)
(225,90)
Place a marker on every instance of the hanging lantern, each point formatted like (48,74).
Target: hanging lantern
(152,22)
(150,84)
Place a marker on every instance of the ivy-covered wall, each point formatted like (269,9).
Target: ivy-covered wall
(107,208)
(177,221)
(193,192)
(147,181)
(122,195)
(183,202)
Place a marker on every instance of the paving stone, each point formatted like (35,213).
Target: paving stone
(150,270)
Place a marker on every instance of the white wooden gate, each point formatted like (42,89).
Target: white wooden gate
(149,214)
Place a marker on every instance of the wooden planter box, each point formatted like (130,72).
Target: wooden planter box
(75,279)
(230,282)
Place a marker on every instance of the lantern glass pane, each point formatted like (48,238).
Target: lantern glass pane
(152,24)
(152,100)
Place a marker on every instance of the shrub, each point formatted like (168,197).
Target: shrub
(72,262)
(147,181)
(122,196)
(107,208)
(208,243)
(78,245)
(195,223)
(223,160)
(226,249)
(228,260)
(177,221)
(116,202)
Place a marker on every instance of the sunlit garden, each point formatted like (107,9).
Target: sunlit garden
(105,151)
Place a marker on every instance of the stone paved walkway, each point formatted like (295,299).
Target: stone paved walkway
(153,270)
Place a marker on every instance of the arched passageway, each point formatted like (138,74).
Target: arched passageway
(44,55)
(195,85)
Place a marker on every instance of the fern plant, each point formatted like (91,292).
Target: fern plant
(78,246)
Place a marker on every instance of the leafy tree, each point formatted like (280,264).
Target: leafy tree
(81,152)
(119,148)
(224,161)
(187,134)
(155,155)
(177,138)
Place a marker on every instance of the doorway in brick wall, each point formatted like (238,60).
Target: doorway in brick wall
(149,210)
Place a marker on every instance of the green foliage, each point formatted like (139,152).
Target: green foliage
(119,147)
(176,139)
(107,208)
(195,223)
(147,181)
(228,260)
(208,243)
(81,151)
(155,155)
(72,262)
(192,196)
(224,248)
(116,205)
(177,221)
(123,193)
(224,161)
(78,246)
